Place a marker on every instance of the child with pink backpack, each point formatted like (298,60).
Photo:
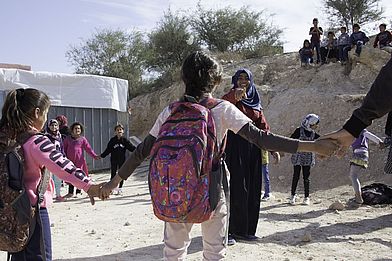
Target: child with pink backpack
(187,172)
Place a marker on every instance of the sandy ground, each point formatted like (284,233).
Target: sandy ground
(125,228)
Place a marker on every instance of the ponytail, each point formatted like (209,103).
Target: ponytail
(19,108)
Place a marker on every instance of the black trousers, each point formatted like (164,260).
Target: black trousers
(114,166)
(306,175)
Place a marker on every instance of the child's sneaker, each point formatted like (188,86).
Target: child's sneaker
(266,197)
(69,195)
(306,201)
(292,199)
(119,192)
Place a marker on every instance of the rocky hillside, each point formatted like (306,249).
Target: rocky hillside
(289,92)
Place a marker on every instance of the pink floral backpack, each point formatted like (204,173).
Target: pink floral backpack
(183,185)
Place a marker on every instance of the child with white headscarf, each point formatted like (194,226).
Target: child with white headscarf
(304,160)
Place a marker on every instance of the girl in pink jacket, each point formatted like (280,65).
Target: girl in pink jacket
(24,113)
(74,146)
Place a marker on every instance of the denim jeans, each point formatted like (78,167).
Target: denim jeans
(266,179)
(358,48)
(32,252)
(342,55)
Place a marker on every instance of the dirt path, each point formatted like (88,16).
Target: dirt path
(124,228)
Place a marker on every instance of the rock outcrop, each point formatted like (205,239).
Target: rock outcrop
(289,92)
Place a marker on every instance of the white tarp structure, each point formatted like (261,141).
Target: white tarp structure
(73,90)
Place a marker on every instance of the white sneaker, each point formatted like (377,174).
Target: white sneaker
(306,201)
(292,199)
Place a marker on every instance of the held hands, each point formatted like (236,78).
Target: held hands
(343,138)
(94,191)
(107,189)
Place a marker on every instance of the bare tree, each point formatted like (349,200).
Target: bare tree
(348,12)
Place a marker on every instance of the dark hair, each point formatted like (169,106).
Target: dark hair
(19,110)
(331,33)
(306,41)
(315,20)
(76,124)
(343,27)
(356,26)
(118,126)
(201,74)
(384,25)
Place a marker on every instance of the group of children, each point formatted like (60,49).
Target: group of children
(337,49)
(72,144)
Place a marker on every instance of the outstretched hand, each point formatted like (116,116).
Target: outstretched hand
(343,137)
(94,191)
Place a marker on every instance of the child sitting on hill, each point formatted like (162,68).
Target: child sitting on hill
(358,39)
(329,48)
(306,53)
(343,42)
(383,39)
(360,159)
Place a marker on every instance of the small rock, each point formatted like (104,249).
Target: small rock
(127,224)
(52,225)
(93,232)
(307,237)
(337,205)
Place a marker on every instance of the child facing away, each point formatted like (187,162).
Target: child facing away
(344,42)
(117,147)
(74,146)
(383,39)
(201,75)
(306,53)
(53,133)
(304,160)
(24,113)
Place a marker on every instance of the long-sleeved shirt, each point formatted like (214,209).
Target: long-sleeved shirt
(40,152)
(73,149)
(383,39)
(116,148)
(376,104)
(344,39)
(358,36)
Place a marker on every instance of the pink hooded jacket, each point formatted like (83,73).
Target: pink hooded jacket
(40,152)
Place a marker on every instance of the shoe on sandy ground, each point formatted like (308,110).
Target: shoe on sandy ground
(60,199)
(266,197)
(69,195)
(292,199)
(306,201)
(358,198)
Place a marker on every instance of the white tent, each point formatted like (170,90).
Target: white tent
(72,90)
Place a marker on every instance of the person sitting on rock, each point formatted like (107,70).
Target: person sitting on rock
(329,48)
(343,42)
(383,39)
(306,53)
(358,39)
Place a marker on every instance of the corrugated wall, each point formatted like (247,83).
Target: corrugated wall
(99,128)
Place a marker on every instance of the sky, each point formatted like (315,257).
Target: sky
(39,32)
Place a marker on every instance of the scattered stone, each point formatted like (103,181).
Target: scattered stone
(337,205)
(127,224)
(307,237)
(52,225)
(92,232)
